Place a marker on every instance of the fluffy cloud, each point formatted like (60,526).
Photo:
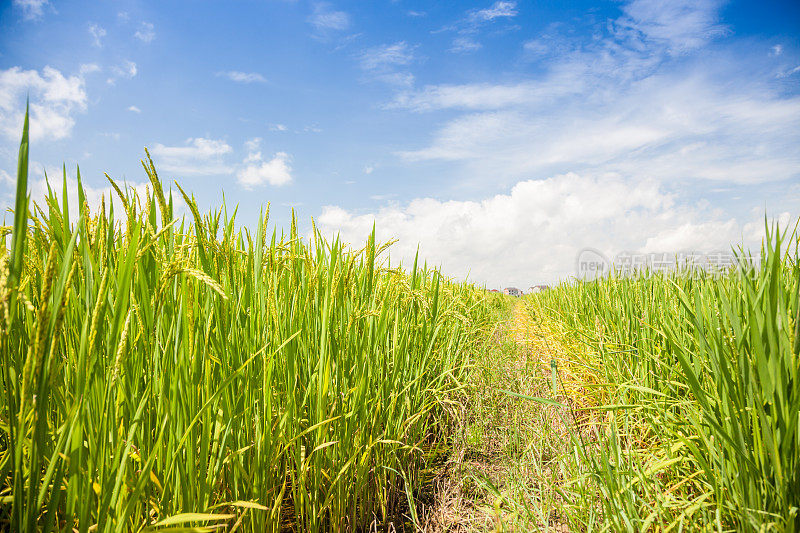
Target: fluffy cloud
(31,9)
(597,146)
(146,32)
(242,77)
(54,100)
(89,68)
(97,34)
(255,172)
(134,109)
(252,145)
(533,234)
(197,157)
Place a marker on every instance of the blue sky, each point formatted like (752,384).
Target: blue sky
(501,137)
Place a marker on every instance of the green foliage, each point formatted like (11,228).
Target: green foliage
(703,377)
(170,373)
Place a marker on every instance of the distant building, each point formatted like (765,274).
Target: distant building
(512,291)
(537,288)
(493,290)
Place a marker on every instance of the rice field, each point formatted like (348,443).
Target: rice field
(164,373)
(655,402)
(693,380)
(168,374)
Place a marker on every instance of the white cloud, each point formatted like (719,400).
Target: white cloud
(255,172)
(54,100)
(536,47)
(195,148)
(620,104)
(465,44)
(278,127)
(146,32)
(474,20)
(127,69)
(6,178)
(89,68)
(198,156)
(382,197)
(549,44)
(789,72)
(680,24)
(243,77)
(399,53)
(776,50)
(624,119)
(134,109)
(97,33)
(497,10)
(383,63)
(369,169)
(474,96)
(397,79)
(326,19)
(533,234)
(676,128)
(31,9)
(252,145)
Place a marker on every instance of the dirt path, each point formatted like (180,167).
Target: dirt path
(521,328)
(504,468)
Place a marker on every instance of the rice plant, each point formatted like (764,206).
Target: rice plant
(700,376)
(165,373)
